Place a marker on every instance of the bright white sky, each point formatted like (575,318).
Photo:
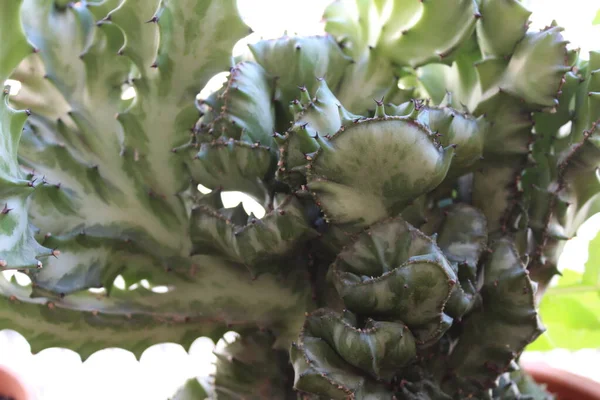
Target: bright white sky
(57,374)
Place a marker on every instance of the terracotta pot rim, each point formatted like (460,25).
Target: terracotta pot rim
(11,384)
(563,381)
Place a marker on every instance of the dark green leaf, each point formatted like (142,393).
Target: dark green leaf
(191,390)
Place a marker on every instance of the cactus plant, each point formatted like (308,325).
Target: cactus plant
(413,163)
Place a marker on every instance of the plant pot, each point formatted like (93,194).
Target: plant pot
(12,386)
(564,385)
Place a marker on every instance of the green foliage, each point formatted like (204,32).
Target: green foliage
(591,275)
(191,390)
(249,366)
(571,309)
(405,244)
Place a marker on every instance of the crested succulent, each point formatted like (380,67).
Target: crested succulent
(406,240)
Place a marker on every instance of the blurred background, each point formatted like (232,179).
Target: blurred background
(571,311)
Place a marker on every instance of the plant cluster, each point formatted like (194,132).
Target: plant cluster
(421,166)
